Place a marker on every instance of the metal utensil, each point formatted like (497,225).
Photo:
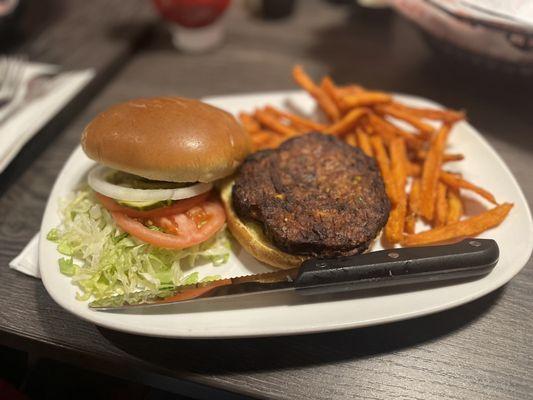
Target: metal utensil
(35,88)
(395,267)
(11,77)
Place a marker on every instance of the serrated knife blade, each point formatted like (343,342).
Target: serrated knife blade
(257,283)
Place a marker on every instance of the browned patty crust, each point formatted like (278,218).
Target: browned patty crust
(314,195)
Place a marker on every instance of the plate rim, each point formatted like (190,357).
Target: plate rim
(298,330)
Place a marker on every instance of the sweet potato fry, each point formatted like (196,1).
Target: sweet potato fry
(373,123)
(422,155)
(367,127)
(414,169)
(363,141)
(426,130)
(350,89)
(414,197)
(441,207)
(385,168)
(324,101)
(347,90)
(413,206)
(389,130)
(410,223)
(431,171)
(351,139)
(445,115)
(263,139)
(467,227)
(262,136)
(346,123)
(329,87)
(270,111)
(398,156)
(297,120)
(457,182)
(455,206)
(453,157)
(272,123)
(364,99)
(395,224)
(249,124)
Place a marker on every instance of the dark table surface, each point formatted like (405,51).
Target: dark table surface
(479,350)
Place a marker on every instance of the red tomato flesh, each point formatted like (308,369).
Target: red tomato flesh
(179,206)
(183,230)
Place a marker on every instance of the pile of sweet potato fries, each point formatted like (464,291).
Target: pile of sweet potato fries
(411,160)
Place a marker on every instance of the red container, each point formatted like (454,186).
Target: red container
(196,25)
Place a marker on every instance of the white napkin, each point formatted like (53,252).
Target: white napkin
(23,123)
(27,261)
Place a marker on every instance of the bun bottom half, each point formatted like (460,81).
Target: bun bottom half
(251,237)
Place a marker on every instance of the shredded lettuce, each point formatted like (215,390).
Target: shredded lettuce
(104,261)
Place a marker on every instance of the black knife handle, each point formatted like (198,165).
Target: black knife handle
(395,267)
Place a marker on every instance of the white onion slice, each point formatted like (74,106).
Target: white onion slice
(98,183)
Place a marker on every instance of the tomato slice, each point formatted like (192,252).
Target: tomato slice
(179,206)
(185,232)
(198,292)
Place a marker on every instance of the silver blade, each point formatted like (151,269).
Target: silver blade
(258,283)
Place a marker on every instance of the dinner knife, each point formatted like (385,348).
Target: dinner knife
(469,258)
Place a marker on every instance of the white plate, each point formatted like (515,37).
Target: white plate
(283,314)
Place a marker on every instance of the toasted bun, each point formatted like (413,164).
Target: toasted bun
(167,138)
(250,236)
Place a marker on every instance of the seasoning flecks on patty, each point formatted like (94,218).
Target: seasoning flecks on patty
(314,195)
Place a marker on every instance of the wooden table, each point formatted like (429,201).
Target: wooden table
(479,350)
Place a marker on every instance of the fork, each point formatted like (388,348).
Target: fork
(11,76)
(36,87)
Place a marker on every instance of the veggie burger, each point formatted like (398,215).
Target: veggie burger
(149,212)
(158,160)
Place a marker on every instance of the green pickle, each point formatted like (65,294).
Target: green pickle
(145,205)
(138,182)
